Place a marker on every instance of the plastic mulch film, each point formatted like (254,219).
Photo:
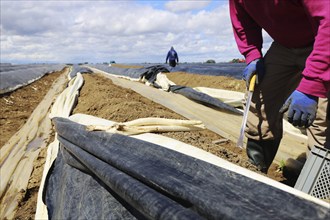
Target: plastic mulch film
(13,77)
(109,176)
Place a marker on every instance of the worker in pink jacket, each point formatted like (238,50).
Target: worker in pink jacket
(293,77)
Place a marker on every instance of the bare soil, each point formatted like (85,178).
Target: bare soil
(17,106)
(101,98)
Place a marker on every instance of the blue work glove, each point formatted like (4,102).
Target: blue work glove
(255,67)
(302,109)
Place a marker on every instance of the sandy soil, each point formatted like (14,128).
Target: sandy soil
(15,108)
(117,104)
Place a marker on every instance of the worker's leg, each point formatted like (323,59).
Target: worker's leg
(172,63)
(264,127)
(319,132)
(262,152)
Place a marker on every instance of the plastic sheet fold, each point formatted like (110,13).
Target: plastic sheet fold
(102,176)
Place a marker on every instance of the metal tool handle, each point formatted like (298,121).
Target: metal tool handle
(252,83)
(250,92)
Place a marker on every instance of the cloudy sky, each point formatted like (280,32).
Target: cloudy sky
(124,31)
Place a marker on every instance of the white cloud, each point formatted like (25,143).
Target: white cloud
(180,6)
(127,32)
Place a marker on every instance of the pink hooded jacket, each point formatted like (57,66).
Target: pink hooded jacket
(293,24)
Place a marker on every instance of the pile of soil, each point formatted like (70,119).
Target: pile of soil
(17,106)
(116,106)
(15,109)
(120,105)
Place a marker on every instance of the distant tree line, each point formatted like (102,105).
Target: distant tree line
(210,61)
(237,61)
(232,61)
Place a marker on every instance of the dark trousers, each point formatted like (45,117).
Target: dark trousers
(283,74)
(172,63)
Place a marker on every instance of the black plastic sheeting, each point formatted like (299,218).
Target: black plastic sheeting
(81,69)
(98,175)
(213,69)
(217,69)
(150,73)
(134,73)
(203,98)
(15,76)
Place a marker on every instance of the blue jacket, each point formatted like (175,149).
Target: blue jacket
(172,55)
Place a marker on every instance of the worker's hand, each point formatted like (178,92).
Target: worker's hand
(302,109)
(255,67)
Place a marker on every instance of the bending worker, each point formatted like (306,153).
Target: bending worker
(172,57)
(292,77)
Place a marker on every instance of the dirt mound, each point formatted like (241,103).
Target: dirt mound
(17,106)
(101,98)
(198,80)
(121,105)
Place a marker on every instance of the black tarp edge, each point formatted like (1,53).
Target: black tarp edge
(150,73)
(212,192)
(17,78)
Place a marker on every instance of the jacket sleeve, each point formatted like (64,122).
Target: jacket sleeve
(316,75)
(247,33)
